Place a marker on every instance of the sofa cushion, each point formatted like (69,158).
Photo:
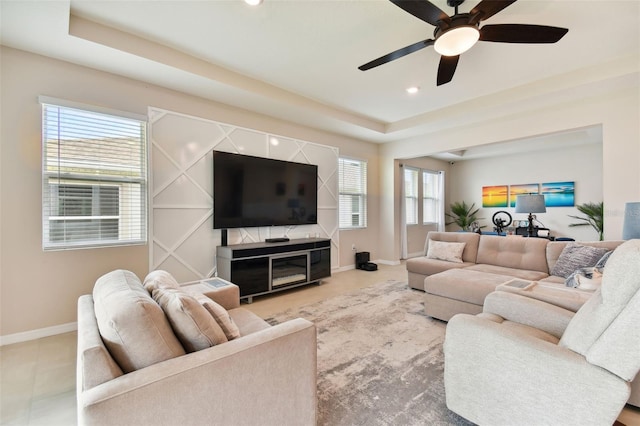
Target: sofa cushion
(220,315)
(192,323)
(159,279)
(247,321)
(132,325)
(554,248)
(441,250)
(470,239)
(575,256)
(424,266)
(464,285)
(524,274)
(513,252)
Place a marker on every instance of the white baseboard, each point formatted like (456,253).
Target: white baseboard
(38,334)
(345,268)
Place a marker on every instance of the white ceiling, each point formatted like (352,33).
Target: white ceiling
(297,59)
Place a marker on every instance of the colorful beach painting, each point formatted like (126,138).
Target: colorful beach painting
(515,190)
(495,196)
(559,194)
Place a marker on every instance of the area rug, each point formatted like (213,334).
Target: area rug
(380,358)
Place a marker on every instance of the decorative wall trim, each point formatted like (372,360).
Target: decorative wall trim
(183,241)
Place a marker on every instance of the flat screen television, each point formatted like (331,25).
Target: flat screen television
(252,191)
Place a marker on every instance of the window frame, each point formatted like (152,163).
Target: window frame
(413,197)
(356,196)
(61,170)
(433,199)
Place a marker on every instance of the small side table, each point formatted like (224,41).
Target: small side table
(220,291)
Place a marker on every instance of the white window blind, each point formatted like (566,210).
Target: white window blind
(94,178)
(430,196)
(353,193)
(411,195)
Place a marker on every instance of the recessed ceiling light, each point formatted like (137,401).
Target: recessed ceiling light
(413,90)
(253,2)
(275,142)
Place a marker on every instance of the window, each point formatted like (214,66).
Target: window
(353,193)
(430,196)
(411,195)
(94,178)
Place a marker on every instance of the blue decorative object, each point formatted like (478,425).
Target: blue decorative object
(631,227)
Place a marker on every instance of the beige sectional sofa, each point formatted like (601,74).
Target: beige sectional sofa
(524,362)
(165,354)
(489,261)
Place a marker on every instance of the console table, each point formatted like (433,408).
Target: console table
(262,268)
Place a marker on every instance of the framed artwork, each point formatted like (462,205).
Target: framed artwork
(515,190)
(495,196)
(559,194)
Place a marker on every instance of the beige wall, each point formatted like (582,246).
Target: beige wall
(580,164)
(38,289)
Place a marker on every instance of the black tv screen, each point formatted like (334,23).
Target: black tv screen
(252,191)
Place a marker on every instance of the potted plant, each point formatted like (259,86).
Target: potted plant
(463,215)
(595,216)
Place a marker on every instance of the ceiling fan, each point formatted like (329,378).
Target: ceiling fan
(456,34)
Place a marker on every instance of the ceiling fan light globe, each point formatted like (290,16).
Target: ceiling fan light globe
(456,40)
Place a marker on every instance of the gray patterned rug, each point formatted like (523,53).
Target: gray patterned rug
(380,358)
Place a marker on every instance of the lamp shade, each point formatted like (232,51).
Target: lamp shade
(531,203)
(631,227)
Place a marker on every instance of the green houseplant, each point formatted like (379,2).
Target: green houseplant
(594,213)
(462,215)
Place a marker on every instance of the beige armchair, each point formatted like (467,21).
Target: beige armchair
(523,361)
(267,376)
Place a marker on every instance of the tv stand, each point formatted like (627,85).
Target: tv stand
(276,240)
(267,267)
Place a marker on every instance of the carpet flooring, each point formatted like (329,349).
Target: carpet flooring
(380,358)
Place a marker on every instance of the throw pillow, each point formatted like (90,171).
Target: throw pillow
(576,256)
(159,279)
(451,252)
(603,260)
(221,316)
(193,325)
(133,327)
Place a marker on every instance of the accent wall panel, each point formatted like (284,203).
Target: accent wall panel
(181,229)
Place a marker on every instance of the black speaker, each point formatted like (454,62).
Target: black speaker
(361,259)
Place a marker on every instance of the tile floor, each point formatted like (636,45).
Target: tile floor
(37,382)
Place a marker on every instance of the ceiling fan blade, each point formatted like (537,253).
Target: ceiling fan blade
(447,68)
(521,33)
(396,54)
(423,9)
(487,8)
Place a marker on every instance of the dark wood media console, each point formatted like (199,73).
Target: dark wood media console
(261,268)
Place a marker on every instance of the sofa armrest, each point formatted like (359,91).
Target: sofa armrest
(546,383)
(220,291)
(268,377)
(525,310)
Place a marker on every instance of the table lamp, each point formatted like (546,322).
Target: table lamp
(530,203)
(631,227)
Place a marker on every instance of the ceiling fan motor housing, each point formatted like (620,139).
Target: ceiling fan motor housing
(456,21)
(454,3)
